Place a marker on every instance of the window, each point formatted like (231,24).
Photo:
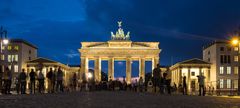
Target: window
(9,67)
(221,48)
(9,58)
(228,59)
(29,58)
(16,48)
(236,70)
(2,57)
(29,51)
(228,83)
(3,47)
(221,70)
(222,59)
(15,68)
(209,59)
(16,57)
(221,83)
(9,47)
(229,49)
(235,84)
(228,70)
(192,73)
(209,53)
(235,48)
(236,58)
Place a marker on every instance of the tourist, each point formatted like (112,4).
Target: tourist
(1,79)
(49,79)
(201,85)
(7,77)
(32,76)
(141,83)
(54,80)
(18,84)
(124,85)
(156,77)
(41,82)
(23,78)
(60,79)
(74,81)
(184,86)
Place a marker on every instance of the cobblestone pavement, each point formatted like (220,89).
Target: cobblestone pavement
(107,99)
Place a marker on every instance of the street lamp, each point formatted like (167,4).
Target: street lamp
(3,39)
(235,42)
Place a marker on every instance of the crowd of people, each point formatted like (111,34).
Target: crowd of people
(36,81)
(158,83)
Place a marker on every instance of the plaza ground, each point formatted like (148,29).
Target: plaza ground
(107,99)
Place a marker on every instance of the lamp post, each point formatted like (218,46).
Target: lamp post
(3,40)
(235,41)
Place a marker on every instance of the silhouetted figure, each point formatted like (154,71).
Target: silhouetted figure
(74,82)
(141,84)
(54,78)
(23,79)
(201,85)
(41,82)
(32,75)
(184,86)
(18,83)
(1,79)
(50,80)
(60,79)
(157,78)
(124,84)
(7,77)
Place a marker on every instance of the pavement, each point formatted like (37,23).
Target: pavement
(117,99)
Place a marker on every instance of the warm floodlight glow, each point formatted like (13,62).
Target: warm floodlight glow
(90,75)
(5,41)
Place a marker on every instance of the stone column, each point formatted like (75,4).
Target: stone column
(110,68)
(97,69)
(180,75)
(189,78)
(84,68)
(128,70)
(155,61)
(142,68)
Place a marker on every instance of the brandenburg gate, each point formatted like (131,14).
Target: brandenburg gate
(119,48)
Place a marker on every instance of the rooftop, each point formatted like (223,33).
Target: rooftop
(23,41)
(215,42)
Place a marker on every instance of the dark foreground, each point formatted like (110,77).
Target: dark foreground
(107,99)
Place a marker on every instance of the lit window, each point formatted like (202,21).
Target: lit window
(228,70)
(3,47)
(228,83)
(236,58)
(2,57)
(235,48)
(9,67)
(16,47)
(221,83)
(221,70)
(15,68)
(9,47)
(235,70)
(9,58)
(16,58)
(235,84)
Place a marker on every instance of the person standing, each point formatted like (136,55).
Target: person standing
(157,78)
(60,79)
(23,77)
(41,82)
(201,85)
(74,81)
(184,86)
(32,76)
(141,83)
(7,77)
(50,80)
